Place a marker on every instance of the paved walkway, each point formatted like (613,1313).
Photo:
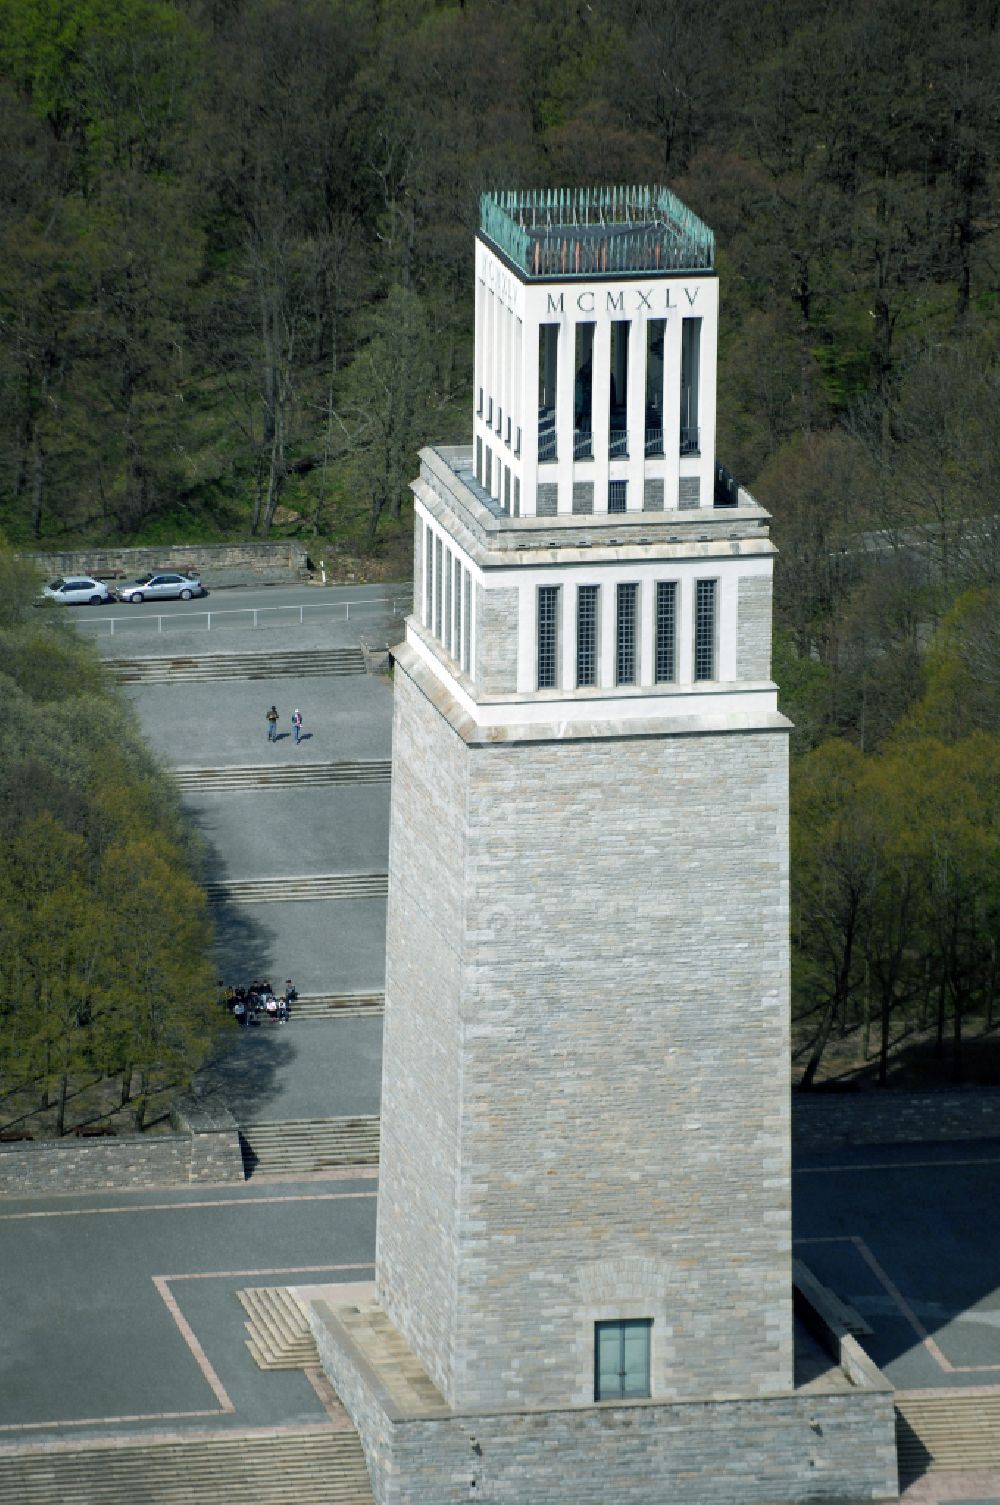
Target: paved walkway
(120,1309)
(320,1070)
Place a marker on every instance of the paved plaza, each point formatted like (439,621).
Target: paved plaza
(120,1309)
(147,1281)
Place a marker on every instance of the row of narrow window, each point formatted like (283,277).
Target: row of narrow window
(508,485)
(626,627)
(447,599)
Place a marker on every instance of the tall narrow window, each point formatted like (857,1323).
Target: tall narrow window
(583,393)
(479,460)
(428,576)
(625,635)
(467,625)
(704,629)
(437,589)
(617,496)
(456,642)
(548,636)
(690,378)
(446,639)
(548,368)
(619,394)
(654,385)
(621,1359)
(586,635)
(666,631)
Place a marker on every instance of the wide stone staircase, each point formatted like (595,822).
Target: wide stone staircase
(308,886)
(300,1146)
(282,775)
(337,1005)
(937,1433)
(279,1333)
(321,1467)
(167,669)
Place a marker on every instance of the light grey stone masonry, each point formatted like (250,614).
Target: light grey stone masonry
(834,1444)
(689,492)
(583,497)
(548,900)
(496,639)
(823,1121)
(753,627)
(652,495)
(546,499)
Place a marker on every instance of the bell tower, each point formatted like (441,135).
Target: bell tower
(583,1256)
(584,1186)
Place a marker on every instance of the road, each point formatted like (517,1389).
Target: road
(241,607)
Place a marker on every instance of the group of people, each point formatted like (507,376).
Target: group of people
(258,997)
(272,724)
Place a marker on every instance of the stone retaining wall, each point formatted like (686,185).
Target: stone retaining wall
(205,1147)
(832,1446)
(822,1121)
(257,558)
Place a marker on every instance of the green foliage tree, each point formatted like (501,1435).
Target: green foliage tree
(104,932)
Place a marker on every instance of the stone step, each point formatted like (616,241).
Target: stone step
(337,1005)
(305,1145)
(279,1333)
(177,668)
(305,887)
(269,1468)
(282,775)
(947,1432)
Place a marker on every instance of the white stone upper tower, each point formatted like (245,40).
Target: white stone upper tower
(596,332)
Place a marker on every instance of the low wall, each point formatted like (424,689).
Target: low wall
(205,1147)
(822,1121)
(256,558)
(836,1446)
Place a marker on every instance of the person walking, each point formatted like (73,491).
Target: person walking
(272,724)
(297,725)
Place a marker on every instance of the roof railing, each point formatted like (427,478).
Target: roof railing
(570,232)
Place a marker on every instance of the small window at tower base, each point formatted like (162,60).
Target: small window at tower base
(617,496)
(621,1359)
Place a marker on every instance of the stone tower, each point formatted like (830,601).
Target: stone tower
(585,1095)
(584,1194)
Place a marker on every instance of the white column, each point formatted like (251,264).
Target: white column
(606,625)
(602,416)
(685,630)
(636,413)
(706,405)
(564,413)
(567,597)
(671,408)
(647,600)
(529,416)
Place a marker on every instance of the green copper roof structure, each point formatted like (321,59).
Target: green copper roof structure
(595,232)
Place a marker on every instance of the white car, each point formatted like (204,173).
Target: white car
(77,591)
(160,584)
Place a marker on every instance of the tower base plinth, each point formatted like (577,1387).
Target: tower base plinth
(831,1440)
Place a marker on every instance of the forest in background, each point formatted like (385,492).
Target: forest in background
(235,298)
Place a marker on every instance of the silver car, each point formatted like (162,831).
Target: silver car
(160,584)
(77,590)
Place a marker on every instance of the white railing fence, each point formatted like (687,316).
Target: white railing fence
(252,616)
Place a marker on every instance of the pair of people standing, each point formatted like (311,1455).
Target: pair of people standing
(272,724)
